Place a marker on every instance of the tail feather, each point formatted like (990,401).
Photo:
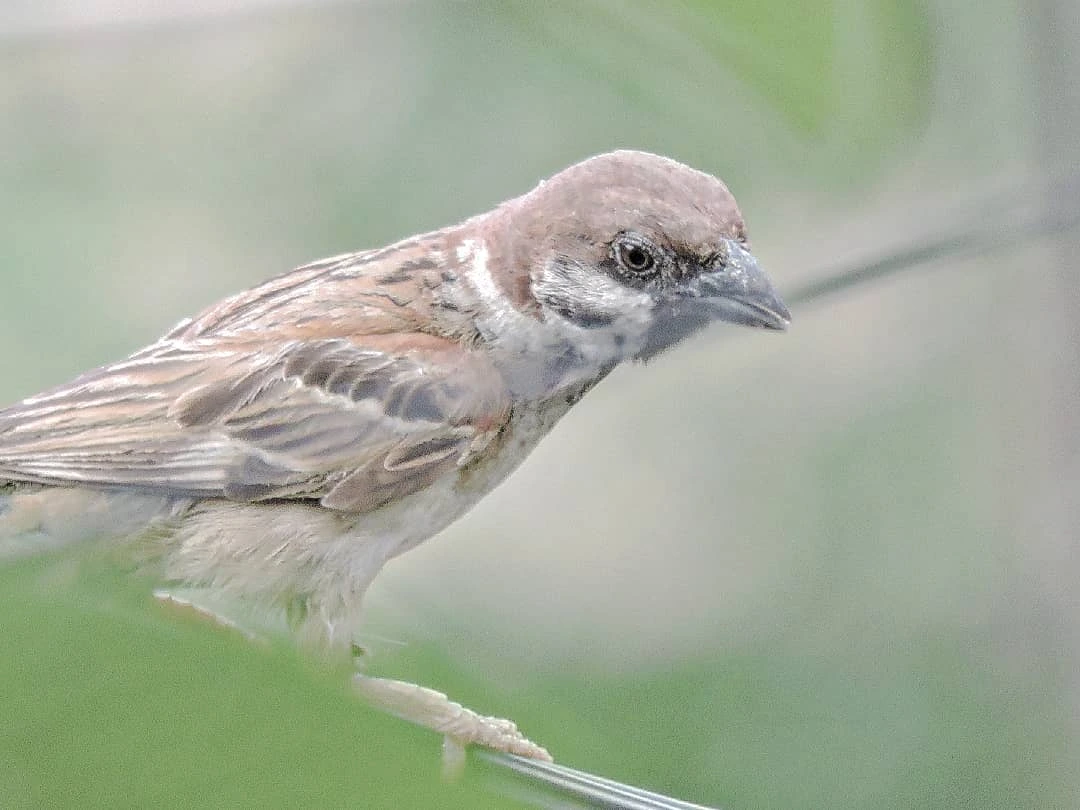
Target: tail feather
(21,531)
(36,519)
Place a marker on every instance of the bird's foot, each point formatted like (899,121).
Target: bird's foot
(458,725)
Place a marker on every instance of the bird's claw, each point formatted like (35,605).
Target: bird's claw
(458,725)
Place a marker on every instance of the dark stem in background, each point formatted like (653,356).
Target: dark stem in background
(979,233)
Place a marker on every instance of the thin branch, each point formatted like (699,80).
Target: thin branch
(549,785)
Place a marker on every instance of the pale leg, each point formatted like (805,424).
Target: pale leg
(417,704)
(436,711)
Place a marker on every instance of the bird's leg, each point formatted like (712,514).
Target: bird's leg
(417,704)
(458,725)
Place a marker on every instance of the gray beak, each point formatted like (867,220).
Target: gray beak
(736,291)
(739,291)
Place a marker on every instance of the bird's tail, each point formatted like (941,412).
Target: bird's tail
(20,533)
(31,523)
(36,519)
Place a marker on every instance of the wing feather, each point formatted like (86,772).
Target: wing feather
(353,425)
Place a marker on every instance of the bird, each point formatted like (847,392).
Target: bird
(280,447)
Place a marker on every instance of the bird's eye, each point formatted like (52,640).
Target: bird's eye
(635,257)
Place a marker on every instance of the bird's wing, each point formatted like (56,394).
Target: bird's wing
(354,426)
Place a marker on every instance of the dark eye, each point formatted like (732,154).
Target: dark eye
(635,257)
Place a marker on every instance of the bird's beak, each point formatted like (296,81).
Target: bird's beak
(739,291)
(736,291)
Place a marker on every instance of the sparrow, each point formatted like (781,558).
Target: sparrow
(281,446)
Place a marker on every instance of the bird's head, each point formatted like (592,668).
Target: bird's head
(620,257)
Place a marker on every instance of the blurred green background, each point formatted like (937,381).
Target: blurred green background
(834,568)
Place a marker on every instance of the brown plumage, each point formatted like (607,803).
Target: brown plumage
(285,443)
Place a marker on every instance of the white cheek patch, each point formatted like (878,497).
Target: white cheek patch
(593,321)
(592,300)
(590,322)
